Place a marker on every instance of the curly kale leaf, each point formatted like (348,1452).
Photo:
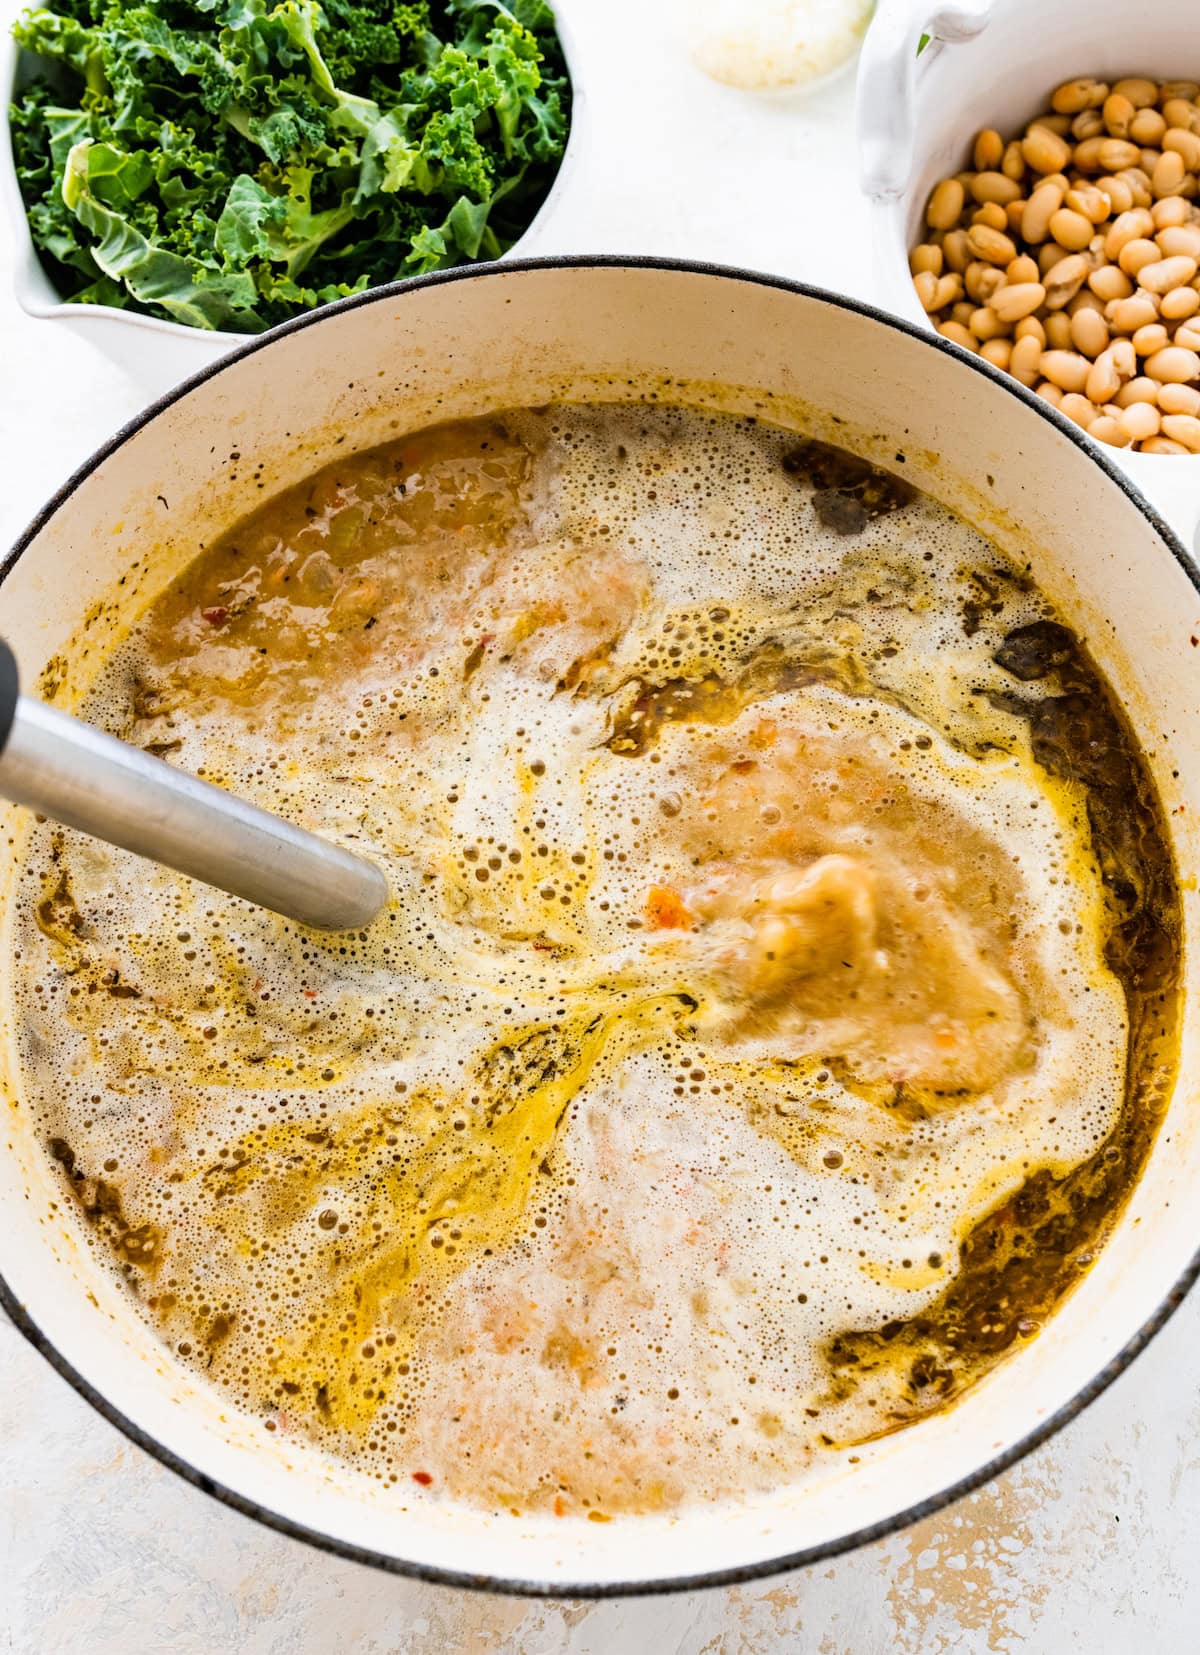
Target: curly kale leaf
(186,291)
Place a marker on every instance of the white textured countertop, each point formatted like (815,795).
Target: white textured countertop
(1090,1542)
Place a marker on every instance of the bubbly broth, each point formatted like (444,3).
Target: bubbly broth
(774,1006)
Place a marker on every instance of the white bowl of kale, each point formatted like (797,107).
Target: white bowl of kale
(207,169)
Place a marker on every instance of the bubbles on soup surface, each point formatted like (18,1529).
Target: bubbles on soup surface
(755,953)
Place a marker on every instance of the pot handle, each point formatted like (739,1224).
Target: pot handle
(887,78)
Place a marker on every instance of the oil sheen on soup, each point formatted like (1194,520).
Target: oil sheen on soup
(774,1005)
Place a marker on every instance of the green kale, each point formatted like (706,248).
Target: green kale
(232,163)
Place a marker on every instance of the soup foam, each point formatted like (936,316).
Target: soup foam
(742,957)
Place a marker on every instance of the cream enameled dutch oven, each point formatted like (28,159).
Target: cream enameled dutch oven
(474,341)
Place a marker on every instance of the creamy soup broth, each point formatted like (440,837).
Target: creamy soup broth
(774,1005)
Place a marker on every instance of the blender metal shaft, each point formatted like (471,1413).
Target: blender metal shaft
(67,770)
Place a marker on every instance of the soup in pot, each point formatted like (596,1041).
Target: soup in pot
(775,1003)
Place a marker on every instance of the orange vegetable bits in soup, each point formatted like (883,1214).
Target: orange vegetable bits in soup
(767,1025)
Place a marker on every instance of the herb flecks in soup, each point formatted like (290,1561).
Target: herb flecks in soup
(771,1015)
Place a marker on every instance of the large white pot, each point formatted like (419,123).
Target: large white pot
(480,340)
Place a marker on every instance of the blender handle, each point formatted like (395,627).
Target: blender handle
(77,775)
(10,693)
(887,73)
